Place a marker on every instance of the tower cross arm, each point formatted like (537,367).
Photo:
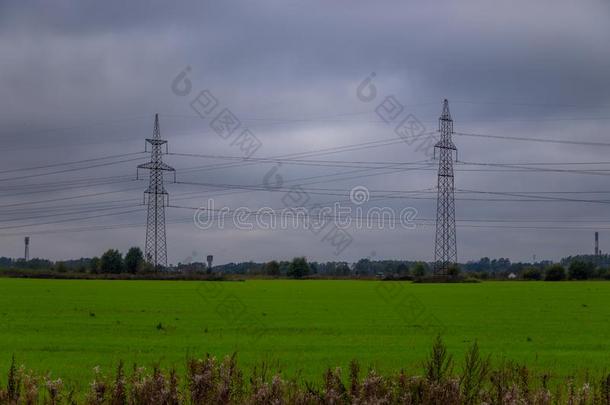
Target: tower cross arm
(156,166)
(156,141)
(445,144)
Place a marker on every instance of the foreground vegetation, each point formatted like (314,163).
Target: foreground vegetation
(209,381)
(298,327)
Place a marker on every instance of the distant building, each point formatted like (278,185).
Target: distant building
(512,276)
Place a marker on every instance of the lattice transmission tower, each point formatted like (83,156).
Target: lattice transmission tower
(156,243)
(445,250)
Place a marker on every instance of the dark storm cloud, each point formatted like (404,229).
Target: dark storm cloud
(83,79)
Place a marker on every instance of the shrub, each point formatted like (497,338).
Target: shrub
(402,269)
(134,259)
(580,270)
(111,262)
(439,363)
(555,272)
(419,269)
(61,267)
(453,270)
(298,268)
(94,265)
(483,275)
(532,273)
(474,373)
(14,382)
(272,268)
(210,381)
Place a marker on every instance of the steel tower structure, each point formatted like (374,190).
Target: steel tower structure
(445,250)
(26,255)
(156,243)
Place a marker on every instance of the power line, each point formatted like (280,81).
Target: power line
(287,213)
(365,162)
(69,220)
(190,220)
(528,104)
(65,198)
(61,183)
(79,186)
(331,120)
(540,197)
(528,196)
(318,152)
(70,163)
(542,140)
(89,228)
(596,172)
(69,170)
(72,212)
(37,209)
(77,126)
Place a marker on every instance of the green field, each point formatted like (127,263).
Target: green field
(69,326)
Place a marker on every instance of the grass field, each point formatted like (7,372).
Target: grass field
(69,326)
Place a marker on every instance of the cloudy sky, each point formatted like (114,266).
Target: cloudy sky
(81,82)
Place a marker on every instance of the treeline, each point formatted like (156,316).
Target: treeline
(485,268)
(581,267)
(7,262)
(300,267)
(113,262)
(572,268)
(576,270)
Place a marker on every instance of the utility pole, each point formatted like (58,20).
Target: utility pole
(156,243)
(445,250)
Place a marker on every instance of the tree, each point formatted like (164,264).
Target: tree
(419,269)
(363,267)
(298,267)
(94,265)
(61,267)
(284,265)
(555,272)
(402,269)
(134,260)
(580,270)
(111,261)
(342,269)
(313,267)
(453,270)
(272,268)
(532,273)
(146,267)
(482,275)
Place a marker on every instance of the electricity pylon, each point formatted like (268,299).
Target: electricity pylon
(156,243)
(445,250)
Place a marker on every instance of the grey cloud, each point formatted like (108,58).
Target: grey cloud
(83,79)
